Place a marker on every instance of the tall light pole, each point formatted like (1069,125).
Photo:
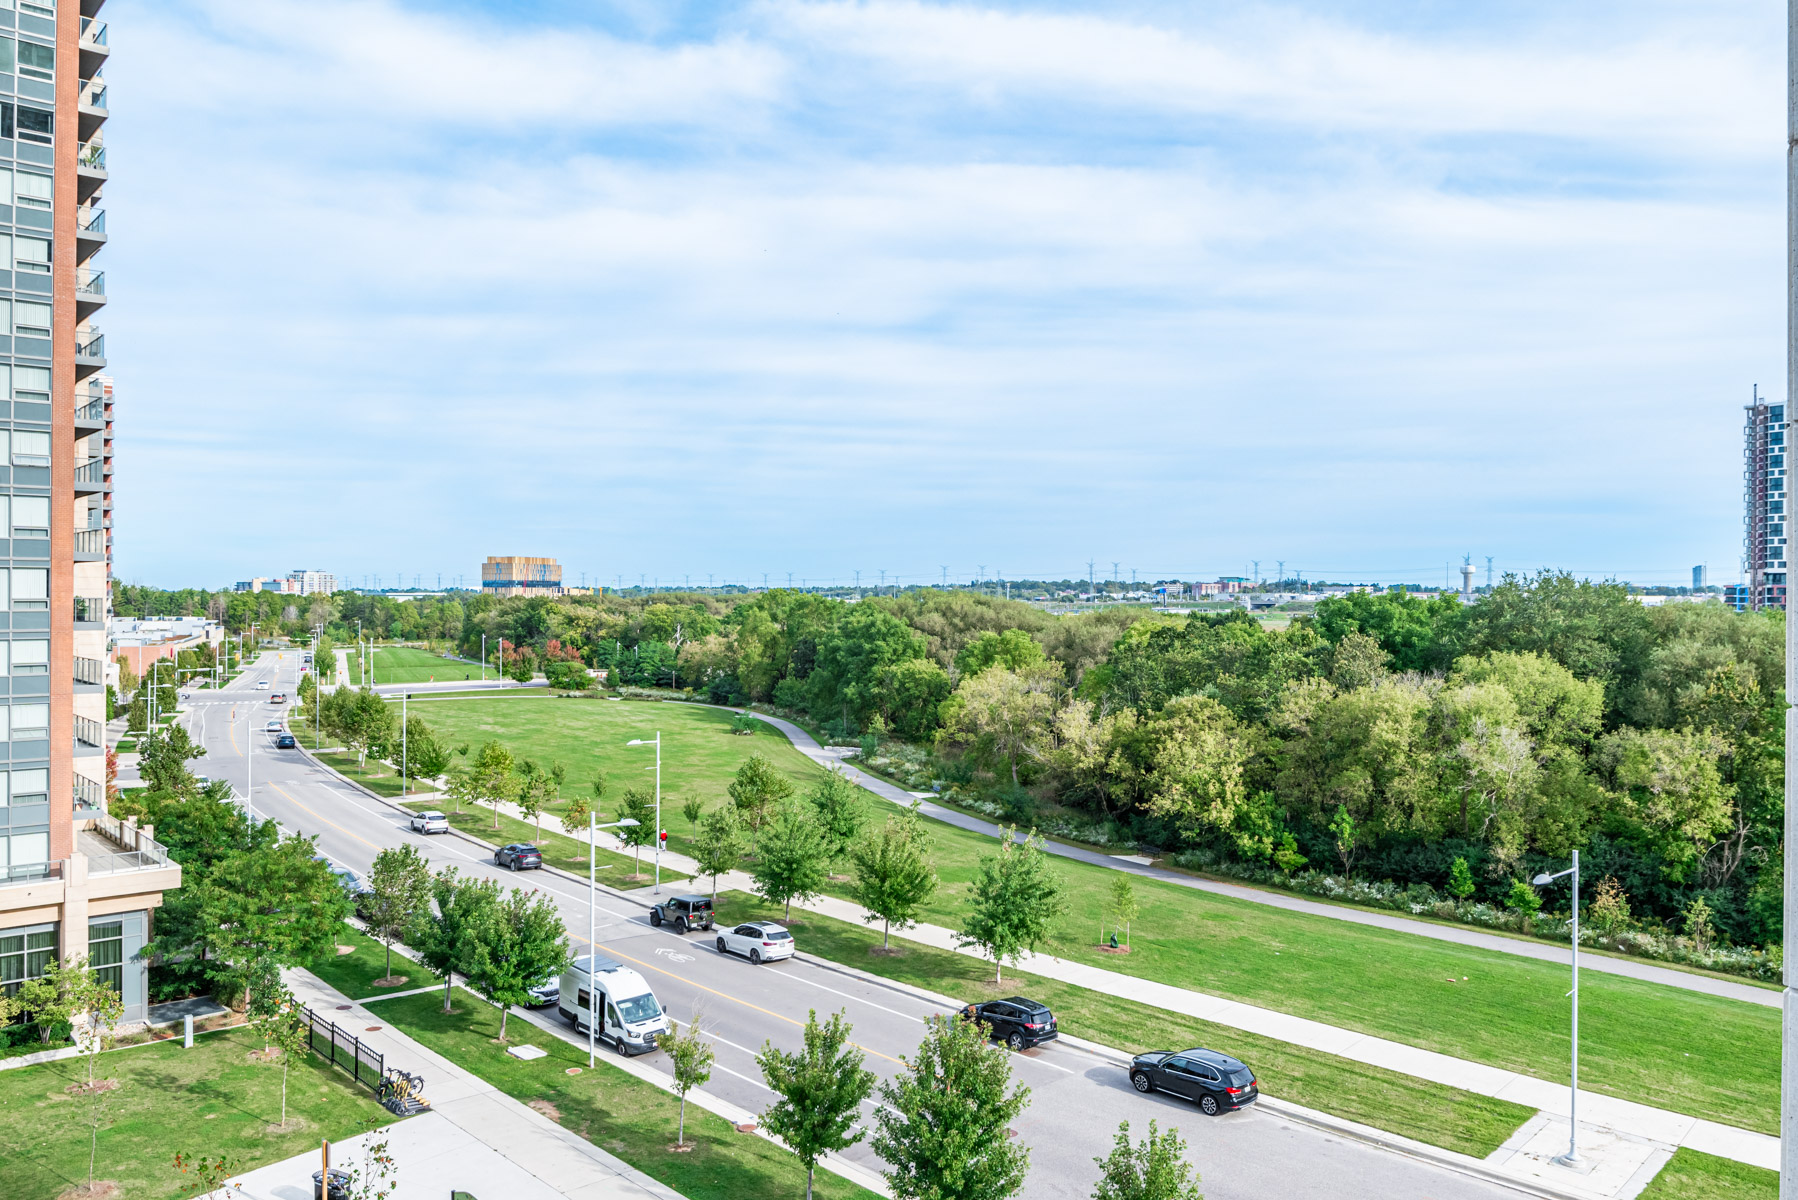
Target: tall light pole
(1572,1155)
(593,828)
(483,658)
(405,775)
(657,743)
(1788,1075)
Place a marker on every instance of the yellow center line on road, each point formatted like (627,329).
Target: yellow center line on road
(326,820)
(724,995)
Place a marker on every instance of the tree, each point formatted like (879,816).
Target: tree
(459,785)
(401,882)
(91,1006)
(282,1023)
(164,755)
(1151,1170)
(640,806)
(1013,649)
(1347,836)
(1004,713)
(1460,879)
(718,846)
(575,818)
(276,903)
(821,1089)
(426,756)
(491,776)
(1523,899)
(514,945)
(837,807)
(1014,901)
(535,792)
(691,1056)
(693,809)
(445,941)
(1122,905)
(757,786)
(944,1119)
(793,865)
(1609,910)
(892,876)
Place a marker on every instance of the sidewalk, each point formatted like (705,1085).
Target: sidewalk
(1624,1117)
(480,1139)
(832,757)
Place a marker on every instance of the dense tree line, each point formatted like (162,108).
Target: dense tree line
(1387,736)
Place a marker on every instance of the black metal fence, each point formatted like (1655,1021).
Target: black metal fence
(345,1050)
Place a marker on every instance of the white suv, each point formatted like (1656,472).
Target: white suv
(759,941)
(429,822)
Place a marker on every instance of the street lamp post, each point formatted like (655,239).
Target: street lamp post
(593,829)
(1572,1155)
(657,743)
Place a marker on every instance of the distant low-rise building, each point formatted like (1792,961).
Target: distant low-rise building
(521,575)
(142,640)
(294,583)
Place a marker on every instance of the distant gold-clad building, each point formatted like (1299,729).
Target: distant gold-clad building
(522,575)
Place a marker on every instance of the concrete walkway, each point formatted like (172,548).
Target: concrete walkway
(832,756)
(1606,1112)
(481,1139)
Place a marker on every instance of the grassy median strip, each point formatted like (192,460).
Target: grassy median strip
(1702,1055)
(213,1099)
(613,1110)
(1429,1112)
(615,870)
(1690,1175)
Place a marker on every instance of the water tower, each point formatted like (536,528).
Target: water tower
(1467,580)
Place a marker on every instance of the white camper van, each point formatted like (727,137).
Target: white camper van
(630,1016)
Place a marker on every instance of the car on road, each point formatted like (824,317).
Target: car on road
(429,822)
(273,727)
(278,698)
(201,781)
(1216,1082)
(683,912)
(520,856)
(547,992)
(758,941)
(629,1016)
(262,686)
(286,742)
(1017,1022)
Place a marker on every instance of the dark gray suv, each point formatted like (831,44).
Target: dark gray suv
(683,912)
(1217,1082)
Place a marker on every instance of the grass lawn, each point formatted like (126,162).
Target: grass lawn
(1675,1049)
(354,974)
(375,775)
(402,664)
(559,850)
(1433,1113)
(209,1100)
(631,1118)
(1694,1176)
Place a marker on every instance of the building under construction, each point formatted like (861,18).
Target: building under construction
(1764,495)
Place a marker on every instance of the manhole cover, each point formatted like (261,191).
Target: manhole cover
(372,1029)
(572,1071)
(343,1008)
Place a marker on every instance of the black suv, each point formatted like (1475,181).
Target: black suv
(1017,1022)
(1218,1082)
(683,912)
(520,856)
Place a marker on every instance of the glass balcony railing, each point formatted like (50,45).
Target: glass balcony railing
(89,793)
(89,670)
(90,609)
(93,93)
(94,347)
(92,156)
(91,283)
(93,31)
(91,413)
(90,541)
(91,219)
(91,471)
(89,732)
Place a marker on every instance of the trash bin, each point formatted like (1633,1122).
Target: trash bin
(340,1185)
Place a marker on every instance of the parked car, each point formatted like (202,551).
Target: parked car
(429,822)
(1217,1082)
(547,992)
(683,912)
(520,856)
(1017,1022)
(202,781)
(758,941)
(286,742)
(629,1016)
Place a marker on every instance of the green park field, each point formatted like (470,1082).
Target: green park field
(402,664)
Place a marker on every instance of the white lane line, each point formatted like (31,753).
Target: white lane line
(858,999)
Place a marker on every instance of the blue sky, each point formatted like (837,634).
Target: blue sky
(669,290)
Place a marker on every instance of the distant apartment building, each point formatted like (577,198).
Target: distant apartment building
(1764,496)
(294,583)
(74,882)
(1698,579)
(518,575)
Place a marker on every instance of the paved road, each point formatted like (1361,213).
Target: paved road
(1078,1098)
